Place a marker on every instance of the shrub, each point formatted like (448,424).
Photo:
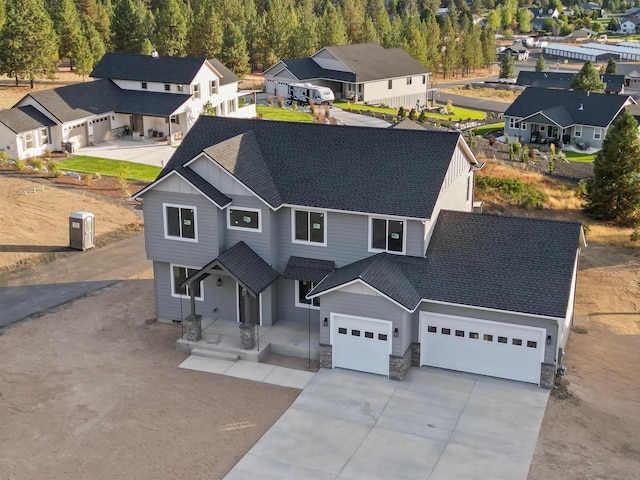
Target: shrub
(412,114)
(20,165)
(4,158)
(37,163)
(87,179)
(123,179)
(54,168)
(401,112)
(47,153)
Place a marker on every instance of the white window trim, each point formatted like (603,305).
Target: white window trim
(293,227)
(166,224)
(523,126)
(577,131)
(404,235)
(303,305)
(28,138)
(597,130)
(244,229)
(213,87)
(195,88)
(43,136)
(173,282)
(512,123)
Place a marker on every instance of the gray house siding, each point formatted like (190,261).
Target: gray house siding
(287,304)
(170,308)
(259,242)
(551,326)
(196,254)
(365,306)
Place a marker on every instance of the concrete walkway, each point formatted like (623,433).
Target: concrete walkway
(435,425)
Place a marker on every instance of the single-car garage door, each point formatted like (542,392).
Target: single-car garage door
(362,344)
(100,129)
(484,347)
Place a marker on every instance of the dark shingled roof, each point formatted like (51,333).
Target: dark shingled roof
(81,100)
(371,61)
(301,164)
(145,68)
(219,198)
(562,80)
(564,106)
(309,269)
(226,75)
(307,69)
(247,267)
(514,264)
(25,118)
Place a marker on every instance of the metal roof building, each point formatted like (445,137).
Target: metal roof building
(582,53)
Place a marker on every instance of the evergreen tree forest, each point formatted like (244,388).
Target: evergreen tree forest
(249,34)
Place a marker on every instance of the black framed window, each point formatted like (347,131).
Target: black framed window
(244,219)
(387,234)
(304,287)
(181,222)
(309,226)
(180,274)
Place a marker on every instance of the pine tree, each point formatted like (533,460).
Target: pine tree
(541,65)
(614,193)
(233,53)
(66,22)
(587,79)
(130,26)
(612,68)
(304,38)
(506,66)
(488,46)
(353,15)
(449,48)
(331,30)
(432,40)
(170,36)
(413,39)
(94,40)
(205,36)
(28,42)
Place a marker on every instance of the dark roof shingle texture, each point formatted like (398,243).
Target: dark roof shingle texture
(25,118)
(145,68)
(360,169)
(309,269)
(248,267)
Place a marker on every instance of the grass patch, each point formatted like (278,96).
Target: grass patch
(458,114)
(513,190)
(488,128)
(578,157)
(358,107)
(110,168)
(282,114)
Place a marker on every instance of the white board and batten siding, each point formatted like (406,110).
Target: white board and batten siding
(482,347)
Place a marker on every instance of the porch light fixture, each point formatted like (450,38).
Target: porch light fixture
(219,282)
(548,339)
(395,332)
(325,322)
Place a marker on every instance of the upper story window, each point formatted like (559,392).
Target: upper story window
(214,87)
(144,85)
(523,126)
(424,79)
(386,235)
(231,105)
(244,219)
(178,275)
(180,222)
(303,287)
(390,85)
(309,227)
(577,131)
(167,87)
(196,90)
(180,88)
(409,80)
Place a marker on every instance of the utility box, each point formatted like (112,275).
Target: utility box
(82,230)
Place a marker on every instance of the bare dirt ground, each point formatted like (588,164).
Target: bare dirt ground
(10,94)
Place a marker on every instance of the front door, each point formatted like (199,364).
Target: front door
(136,123)
(248,306)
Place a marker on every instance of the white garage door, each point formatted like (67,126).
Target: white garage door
(477,346)
(78,135)
(282,89)
(362,344)
(270,86)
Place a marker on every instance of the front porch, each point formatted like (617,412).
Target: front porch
(222,339)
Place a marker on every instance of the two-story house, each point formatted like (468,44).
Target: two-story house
(139,94)
(366,234)
(364,72)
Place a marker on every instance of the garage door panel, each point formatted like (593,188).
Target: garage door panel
(482,347)
(361,344)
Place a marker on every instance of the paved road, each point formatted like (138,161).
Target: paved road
(474,103)
(40,288)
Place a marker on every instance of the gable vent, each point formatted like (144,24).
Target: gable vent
(581,107)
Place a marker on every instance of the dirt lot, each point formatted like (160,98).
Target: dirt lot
(92,389)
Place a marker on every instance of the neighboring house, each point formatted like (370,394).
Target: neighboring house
(591,7)
(518,52)
(365,72)
(142,94)
(567,116)
(582,34)
(631,73)
(368,237)
(562,80)
(540,14)
(627,25)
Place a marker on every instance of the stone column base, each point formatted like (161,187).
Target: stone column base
(399,366)
(326,356)
(193,326)
(547,375)
(247,336)
(415,354)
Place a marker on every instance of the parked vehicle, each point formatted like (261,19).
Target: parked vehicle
(304,94)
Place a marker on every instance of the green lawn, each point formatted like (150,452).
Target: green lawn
(359,107)
(488,128)
(110,168)
(578,157)
(283,114)
(459,113)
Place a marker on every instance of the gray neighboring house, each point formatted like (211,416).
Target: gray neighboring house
(365,72)
(369,237)
(562,80)
(551,116)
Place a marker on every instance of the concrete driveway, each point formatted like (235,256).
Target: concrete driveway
(146,150)
(436,425)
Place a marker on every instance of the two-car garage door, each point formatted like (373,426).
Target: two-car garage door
(483,347)
(362,344)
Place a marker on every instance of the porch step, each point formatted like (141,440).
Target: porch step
(217,354)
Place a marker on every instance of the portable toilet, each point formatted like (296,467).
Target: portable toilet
(82,230)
